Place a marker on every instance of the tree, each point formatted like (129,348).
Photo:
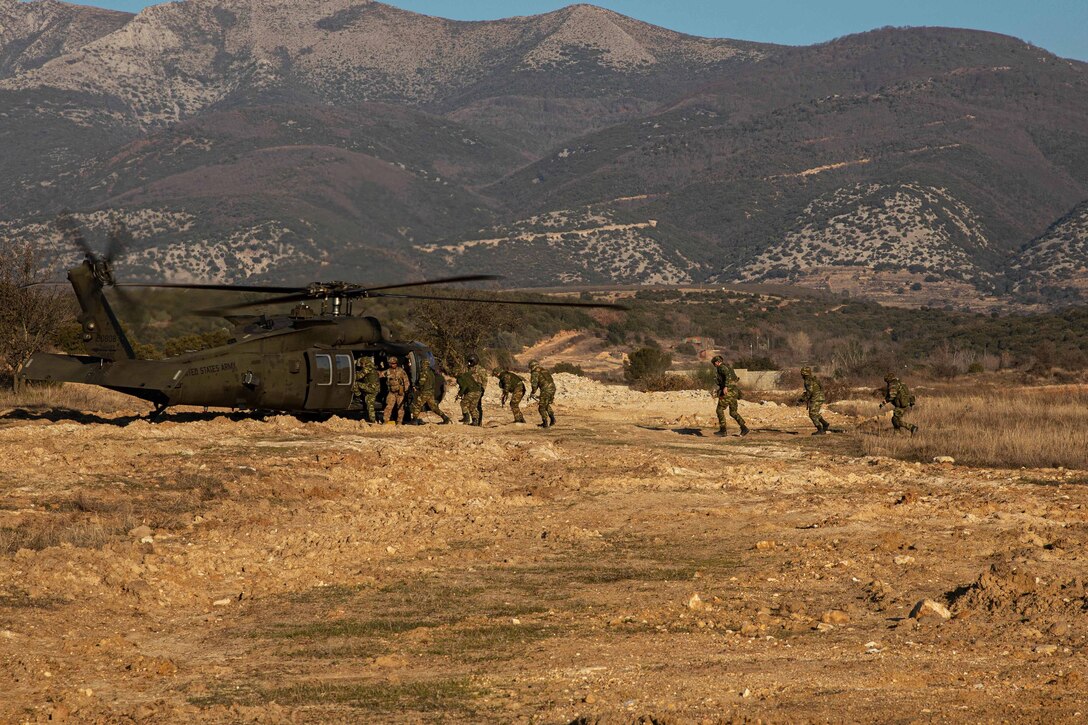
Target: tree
(646,362)
(30,314)
(455,330)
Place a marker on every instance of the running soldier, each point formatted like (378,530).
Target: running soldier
(512,386)
(902,400)
(728,392)
(543,389)
(469,393)
(481,377)
(396,387)
(424,398)
(367,386)
(814,399)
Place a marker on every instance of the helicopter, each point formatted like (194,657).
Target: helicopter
(300,363)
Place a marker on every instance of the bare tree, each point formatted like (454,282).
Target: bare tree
(455,330)
(30,314)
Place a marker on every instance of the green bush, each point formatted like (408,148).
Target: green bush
(646,362)
(566,367)
(665,383)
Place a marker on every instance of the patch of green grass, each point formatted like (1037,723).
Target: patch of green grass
(489,642)
(346,628)
(335,594)
(444,696)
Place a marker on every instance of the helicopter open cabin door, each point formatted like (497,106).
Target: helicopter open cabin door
(331,374)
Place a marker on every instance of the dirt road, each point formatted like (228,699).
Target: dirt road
(624,565)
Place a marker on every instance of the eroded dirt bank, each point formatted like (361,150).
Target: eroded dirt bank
(626,564)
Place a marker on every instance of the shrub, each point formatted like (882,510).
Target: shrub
(666,382)
(646,362)
(566,367)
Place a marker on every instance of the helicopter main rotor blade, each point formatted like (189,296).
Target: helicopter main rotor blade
(218,287)
(296,297)
(444,280)
(493,301)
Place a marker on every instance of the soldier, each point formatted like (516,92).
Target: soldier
(902,400)
(728,392)
(396,387)
(367,386)
(481,377)
(543,389)
(814,398)
(469,392)
(424,396)
(512,387)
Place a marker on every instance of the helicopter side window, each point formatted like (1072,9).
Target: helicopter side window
(323,374)
(344,370)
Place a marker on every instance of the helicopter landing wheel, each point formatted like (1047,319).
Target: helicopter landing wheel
(156,415)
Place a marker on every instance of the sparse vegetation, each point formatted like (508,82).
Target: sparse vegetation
(646,363)
(1007,428)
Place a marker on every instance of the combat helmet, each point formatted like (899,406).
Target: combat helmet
(806,371)
(534,364)
(471,360)
(890,377)
(497,372)
(717,359)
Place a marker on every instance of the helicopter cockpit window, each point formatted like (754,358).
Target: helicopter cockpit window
(323,373)
(344,370)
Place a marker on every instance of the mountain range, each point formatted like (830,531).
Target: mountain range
(283,141)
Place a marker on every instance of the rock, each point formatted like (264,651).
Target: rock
(930,608)
(903,559)
(944,459)
(221,602)
(589,699)
(835,616)
(140,532)
(765,545)
(1046,649)
(696,603)
(824,627)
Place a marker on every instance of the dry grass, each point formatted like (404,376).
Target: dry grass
(1005,428)
(73,396)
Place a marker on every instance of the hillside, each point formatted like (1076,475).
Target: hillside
(34,33)
(354,139)
(1055,264)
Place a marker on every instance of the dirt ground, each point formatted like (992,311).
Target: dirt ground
(625,566)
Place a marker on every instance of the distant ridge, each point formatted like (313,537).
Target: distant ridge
(283,140)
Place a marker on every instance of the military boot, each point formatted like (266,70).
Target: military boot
(466,420)
(445,420)
(721,432)
(824,425)
(745,430)
(913,430)
(551,418)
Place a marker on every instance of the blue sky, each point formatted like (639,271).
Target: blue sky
(1060,26)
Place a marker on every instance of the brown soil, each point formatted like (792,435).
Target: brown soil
(625,565)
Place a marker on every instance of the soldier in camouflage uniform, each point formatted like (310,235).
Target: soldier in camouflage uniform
(424,395)
(814,399)
(512,387)
(469,392)
(728,392)
(396,388)
(481,377)
(543,389)
(367,386)
(902,400)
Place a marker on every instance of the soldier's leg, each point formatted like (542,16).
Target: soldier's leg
(816,418)
(897,419)
(369,400)
(432,405)
(735,415)
(515,405)
(723,406)
(542,408)
(390,405)
(550,400)
(477,409)
(466,409)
